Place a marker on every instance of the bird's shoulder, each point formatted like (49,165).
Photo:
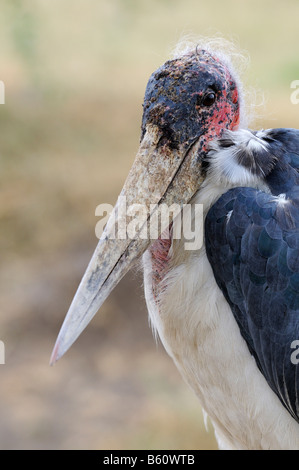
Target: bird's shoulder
(252,243)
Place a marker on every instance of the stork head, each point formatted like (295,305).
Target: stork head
(189,98)
(189,102)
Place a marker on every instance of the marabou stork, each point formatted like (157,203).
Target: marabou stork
(227,313)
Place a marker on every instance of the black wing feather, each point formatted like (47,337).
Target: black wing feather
(252,243)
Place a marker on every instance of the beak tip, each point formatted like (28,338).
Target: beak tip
(55,354)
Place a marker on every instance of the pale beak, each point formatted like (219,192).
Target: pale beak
(160,174)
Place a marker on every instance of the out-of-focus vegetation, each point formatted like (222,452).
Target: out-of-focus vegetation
(75,74)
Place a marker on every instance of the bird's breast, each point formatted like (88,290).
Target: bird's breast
(198,330)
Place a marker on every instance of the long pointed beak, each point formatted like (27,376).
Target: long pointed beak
(160,174)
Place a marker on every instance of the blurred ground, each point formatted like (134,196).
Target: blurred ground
(75,74)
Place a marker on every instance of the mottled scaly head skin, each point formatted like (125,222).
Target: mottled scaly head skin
(192,96)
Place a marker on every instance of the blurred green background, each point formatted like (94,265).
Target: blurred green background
(75,73)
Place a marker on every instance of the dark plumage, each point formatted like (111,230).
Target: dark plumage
(252,242)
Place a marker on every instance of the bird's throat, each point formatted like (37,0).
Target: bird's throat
(160,258)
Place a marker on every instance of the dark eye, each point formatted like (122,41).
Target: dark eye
(209,99)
